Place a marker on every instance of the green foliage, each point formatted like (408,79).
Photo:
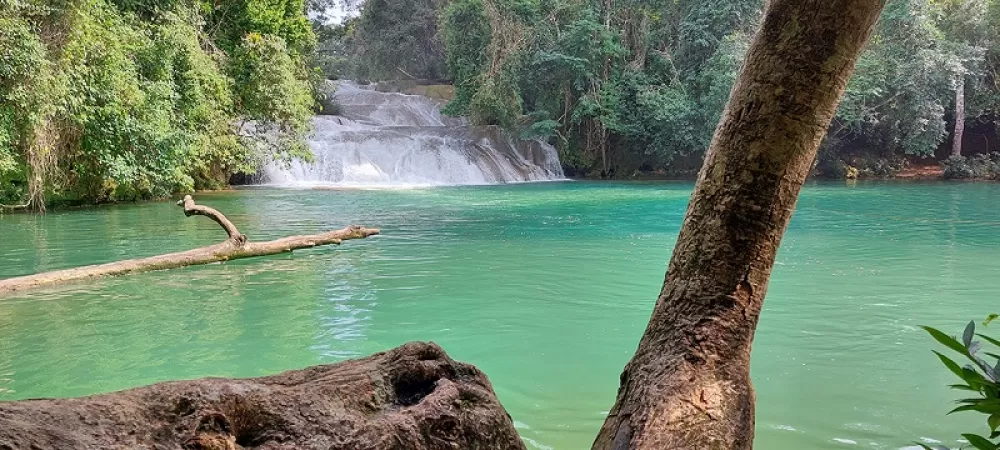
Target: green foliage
(334,53)
(398,40)
(980,378)
(901,98)
(623,85)
(230,21)
(496,102)
(21,56)
(599,81)
(466,36)
(106,100)
(274,95)
(976,167)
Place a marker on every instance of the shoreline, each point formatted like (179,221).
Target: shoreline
(910,175)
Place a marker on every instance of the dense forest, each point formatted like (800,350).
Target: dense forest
(107,100)
(622,87)
(104,100)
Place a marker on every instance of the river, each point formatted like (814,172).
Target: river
(546,287)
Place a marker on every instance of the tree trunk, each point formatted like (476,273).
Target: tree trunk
(688,385)
(411,398)
(956,146)
(235,247)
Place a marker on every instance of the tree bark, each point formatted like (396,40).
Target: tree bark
(411,398)
(191,209)
(235,247)
(956,146)
(688,385)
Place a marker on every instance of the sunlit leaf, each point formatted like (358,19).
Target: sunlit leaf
(962,408)
(946,340)
(951,365)
(980,442)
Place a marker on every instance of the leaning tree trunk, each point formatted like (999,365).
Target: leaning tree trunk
(414,397)
(956,146)
(688,385)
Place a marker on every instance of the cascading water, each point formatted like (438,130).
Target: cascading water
(392,139)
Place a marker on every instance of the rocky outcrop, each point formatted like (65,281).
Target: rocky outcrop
(411,398)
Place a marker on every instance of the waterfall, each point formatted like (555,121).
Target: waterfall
(393,139)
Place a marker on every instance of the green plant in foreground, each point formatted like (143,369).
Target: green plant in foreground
(980,377)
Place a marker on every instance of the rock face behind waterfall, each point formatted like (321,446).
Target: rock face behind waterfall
(384,139)
(412,398)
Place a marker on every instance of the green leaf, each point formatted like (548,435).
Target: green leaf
(946,340)
(989,339)
(970,331)
(979,442)
(963,387)
(989,407)
(973,378)
(951,365)
(936,447)
(990,318)
(962,408)
(994,422)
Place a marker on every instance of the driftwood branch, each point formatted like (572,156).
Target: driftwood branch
(191,209)
(414,397)
(235,247)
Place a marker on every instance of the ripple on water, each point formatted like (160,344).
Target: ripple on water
(547,288)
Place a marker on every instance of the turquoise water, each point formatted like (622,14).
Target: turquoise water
(545,287)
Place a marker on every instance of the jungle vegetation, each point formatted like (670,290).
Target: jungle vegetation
(108,100)
(624,86)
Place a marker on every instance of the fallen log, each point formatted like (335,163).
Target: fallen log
(411,398)
(235,247)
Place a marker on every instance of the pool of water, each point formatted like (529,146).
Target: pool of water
(546,287)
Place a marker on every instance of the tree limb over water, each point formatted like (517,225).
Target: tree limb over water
(236,246)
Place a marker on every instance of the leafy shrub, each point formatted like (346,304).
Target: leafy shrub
(980,377)
(22,56)
(274,93)
(976,167)
(107,100)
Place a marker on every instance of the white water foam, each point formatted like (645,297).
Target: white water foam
(396,140)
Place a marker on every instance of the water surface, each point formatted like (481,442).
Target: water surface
(545,287)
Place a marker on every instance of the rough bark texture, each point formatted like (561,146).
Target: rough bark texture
(191,209)
(411,398)
(956,146)
(688,385)
(235,247)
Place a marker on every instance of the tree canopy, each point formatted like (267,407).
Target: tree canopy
(104,100)
(621,86)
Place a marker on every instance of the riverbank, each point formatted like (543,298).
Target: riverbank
(981,167)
